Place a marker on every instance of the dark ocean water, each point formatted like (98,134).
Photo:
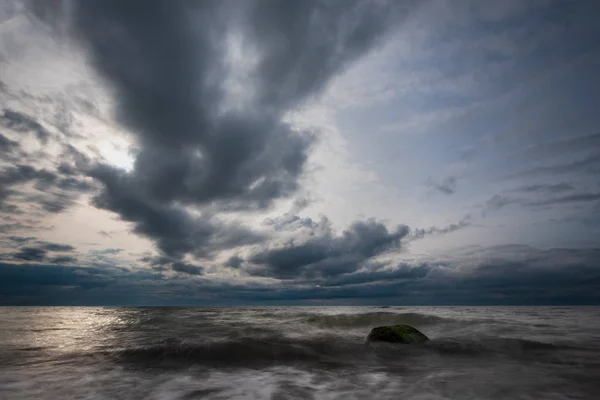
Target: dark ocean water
(298,353)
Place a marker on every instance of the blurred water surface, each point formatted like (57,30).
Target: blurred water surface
(298,353)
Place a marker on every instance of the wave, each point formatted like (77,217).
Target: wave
(332,351)
(374,319)
(489,346)
(246,352)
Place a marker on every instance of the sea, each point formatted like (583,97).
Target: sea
(154,353)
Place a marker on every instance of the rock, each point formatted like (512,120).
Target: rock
(396,334)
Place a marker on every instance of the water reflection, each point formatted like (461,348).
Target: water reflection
(65,329)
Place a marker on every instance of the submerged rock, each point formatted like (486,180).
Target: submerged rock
(396,334)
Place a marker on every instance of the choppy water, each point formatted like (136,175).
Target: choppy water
(298,353)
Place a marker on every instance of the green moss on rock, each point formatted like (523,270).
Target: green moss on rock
(396,334)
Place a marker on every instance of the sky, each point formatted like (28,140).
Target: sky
(263,152)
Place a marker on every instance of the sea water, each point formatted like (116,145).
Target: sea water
(298,353)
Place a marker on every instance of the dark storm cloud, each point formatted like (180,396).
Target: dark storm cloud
(30,254)
(303,44)
(175,230)
(402,272)
(20,122)
(234,262)
(168,64)
(156,262)
(66,169)
(190,151)
(43,275)
(447,186)
(187,268)
(161,264)
(50,284)
(498,275)
(326,254)
(556,276)
(38,251)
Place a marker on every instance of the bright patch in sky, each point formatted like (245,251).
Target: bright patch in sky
(117,154)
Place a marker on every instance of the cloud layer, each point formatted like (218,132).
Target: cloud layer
(149,151)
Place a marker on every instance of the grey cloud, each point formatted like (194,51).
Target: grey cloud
(574,198)
(191,152)
(21,239)
(20,173)
(497,202)
(170,78)
(52,192)
(7,145)
(399,273)
(161,263)
(447,186)
(30,254)
(289,222)
(421,233)
(555,276)
(550,149)
(11,177)
(66,169)
(467,154)
(20,122)
(589,165)
(15,226)
(545,188)
(187,268)
(63,260)
(482,276)
(38,251)
(234,262)
(175,230)
(58,247)
(107,234)
(157,262)
(42,283)
(54,204)
(326,254)
(108,251)
(303,44)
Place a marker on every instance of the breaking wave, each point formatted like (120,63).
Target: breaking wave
(330,351)
(374,319)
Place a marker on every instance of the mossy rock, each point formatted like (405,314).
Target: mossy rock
(396,334)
